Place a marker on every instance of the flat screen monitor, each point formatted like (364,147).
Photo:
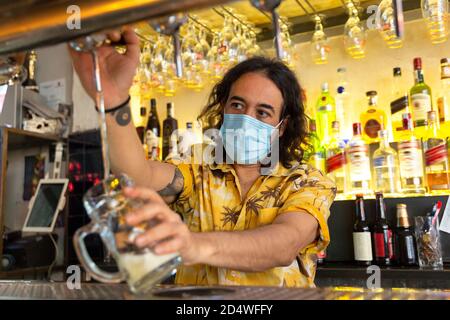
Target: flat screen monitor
(47,201)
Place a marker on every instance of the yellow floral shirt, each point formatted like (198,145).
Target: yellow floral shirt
(211,201)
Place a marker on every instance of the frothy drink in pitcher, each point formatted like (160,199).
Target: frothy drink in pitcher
(144,269)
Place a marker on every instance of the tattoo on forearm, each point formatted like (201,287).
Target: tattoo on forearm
(175,187)
(123,116)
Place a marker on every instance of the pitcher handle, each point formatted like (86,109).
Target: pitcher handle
(86,260)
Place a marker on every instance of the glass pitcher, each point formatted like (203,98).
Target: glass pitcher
(107,206)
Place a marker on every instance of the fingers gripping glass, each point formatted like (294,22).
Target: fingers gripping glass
(107,206)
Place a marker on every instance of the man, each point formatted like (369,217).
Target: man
(239,226)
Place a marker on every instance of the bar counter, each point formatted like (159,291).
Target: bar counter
(38,290)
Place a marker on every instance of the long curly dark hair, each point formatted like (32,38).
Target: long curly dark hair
(293,139)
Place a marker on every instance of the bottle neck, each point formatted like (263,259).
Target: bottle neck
(170,112)
(380,209)
(418,76)
(360,214)
(402,218)
(384,143)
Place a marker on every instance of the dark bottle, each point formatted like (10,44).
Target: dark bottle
(153,132)
(405,242)
(170,125)
(382,234)
(30,82)
(141,128)
(362,244)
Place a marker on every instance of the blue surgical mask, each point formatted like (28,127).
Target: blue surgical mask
(246,140)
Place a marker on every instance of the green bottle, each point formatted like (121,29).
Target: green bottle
(316,153)
(421,99)
(326,114)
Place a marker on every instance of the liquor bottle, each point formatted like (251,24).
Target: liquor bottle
(358,163)
(410,159)
(343,105)
(443,100)
(373,119)
(335,159)
(420,94)
(405,248)
(30,82)
(170,137)
(436,156)
(382,234)
(362,243)
(316,154)
(187,139)
(141,128)
(386,174)
(400,102)
(153,132)
(326,114)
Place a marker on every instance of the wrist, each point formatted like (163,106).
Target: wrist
(116,101)
(202,249)
(116,108)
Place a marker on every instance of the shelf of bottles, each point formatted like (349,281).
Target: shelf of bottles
(364,158)
(162,143)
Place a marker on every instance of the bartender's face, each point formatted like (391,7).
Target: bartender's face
(255,95)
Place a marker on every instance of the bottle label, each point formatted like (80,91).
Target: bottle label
(362,245)
(360,163)
(436,154)
(383,244)
(421,105)
(335,162)
(152,141)
(410,157)
(371,128)
(445,73)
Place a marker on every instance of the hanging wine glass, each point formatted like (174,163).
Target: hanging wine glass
(386,24)
(286,43)
(354,33)
(320,47)
(436,14)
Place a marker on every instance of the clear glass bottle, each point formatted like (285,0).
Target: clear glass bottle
(386,174)
(436,157)
(400,100)
(358,163)
(410,159)
(344,105)
(326,114)
(373,119)
(335,159)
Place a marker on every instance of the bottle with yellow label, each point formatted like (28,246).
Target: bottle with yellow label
(373,119)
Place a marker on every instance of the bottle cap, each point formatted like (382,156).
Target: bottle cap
(153,103)
(445,60)
(397,71)
(359,196)
(189,125)
(342,69)
(371,93)
(335,125)
(340,89)
(418,63)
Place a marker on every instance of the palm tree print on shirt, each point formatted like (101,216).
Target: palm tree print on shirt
(230,216)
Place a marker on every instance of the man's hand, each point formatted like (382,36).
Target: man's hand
(170,235)
(117,70)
